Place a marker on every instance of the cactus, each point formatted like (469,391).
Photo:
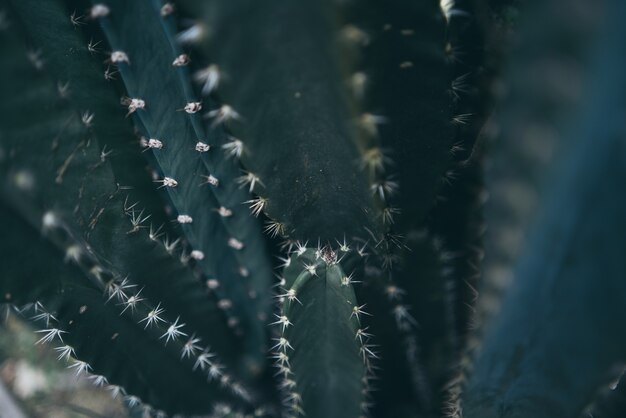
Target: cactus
(278,208)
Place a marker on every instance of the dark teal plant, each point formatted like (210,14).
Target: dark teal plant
(278,208)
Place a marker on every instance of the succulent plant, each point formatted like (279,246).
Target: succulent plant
(280,208)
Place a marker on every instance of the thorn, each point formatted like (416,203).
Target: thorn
(44,316)
(361,334)
(212,284)
(73,253)
(132,301)
(281,358)
(274,228)
(233,148)
(49,221)
(361,250)
(294,397)
(193,107)
(98,380)
(80,366)
(367,353)
(129,209)
(358,83)
(257,205)
(209,78)
(282,369)
(215,370)
(282,344)
(118,290)
(93,47)
(462,119)
(394,293)
(137,220)
(50,334)
(300,248)
(357,311)
(118,57)
(448,10)
(65,352)
(311,269)
(457,148)
(181,60)
(370,123)
(347,280)
(190,347)
(170,247)
(104,153)
(460,86)
(116,390)
(133,104)
(224,212)
(191,35)
(353,34)
(173,332)
(35,58)
(387,215)
(374,160)
(167,9)
(288,384)
(154,143)
(210,179)
(225,304)
(153,316)
(285,262)
(87,118)
(63,89)
(249,178)
(167,182)
(184,219)
(384,188)
(223,114)
(98,11)
(235,244)
(155,234)
(203,361)
(403,317)
(76,20)
(283,321)
(202,147)
(290,295)
(132,401)
(109,74)
(343,246)
(197,255)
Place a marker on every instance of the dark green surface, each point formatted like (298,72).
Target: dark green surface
(414,98)
(88,201)
(151,77)
(284,78)
(554,342)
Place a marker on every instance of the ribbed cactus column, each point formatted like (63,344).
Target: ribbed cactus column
(322,349)
(553,342)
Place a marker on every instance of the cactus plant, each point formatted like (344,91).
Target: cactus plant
(278,208)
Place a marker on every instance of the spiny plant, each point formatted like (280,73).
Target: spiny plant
(279,208)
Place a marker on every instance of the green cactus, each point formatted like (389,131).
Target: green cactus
(241,208)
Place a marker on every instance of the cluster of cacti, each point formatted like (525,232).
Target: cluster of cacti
(278,207)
